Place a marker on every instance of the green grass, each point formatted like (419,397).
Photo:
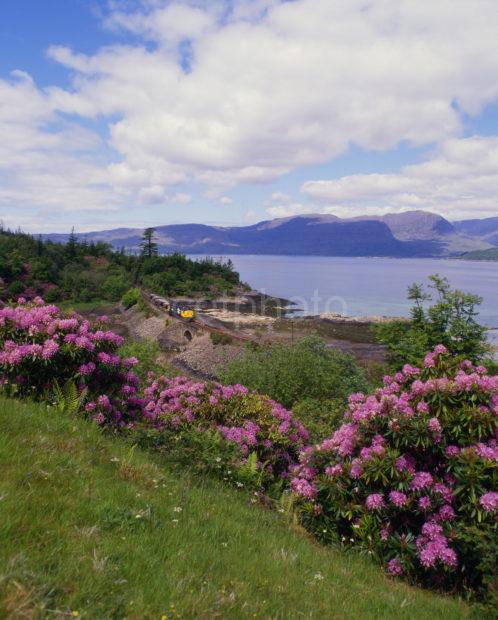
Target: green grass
(92,526)
(96,306)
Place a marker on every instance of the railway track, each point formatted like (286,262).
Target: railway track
(224,331)
(205,323)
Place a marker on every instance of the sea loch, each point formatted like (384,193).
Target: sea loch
(365,286)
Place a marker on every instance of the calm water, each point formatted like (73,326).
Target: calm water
(364,286)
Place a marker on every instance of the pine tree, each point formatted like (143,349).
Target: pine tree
(148,246)
(72,244)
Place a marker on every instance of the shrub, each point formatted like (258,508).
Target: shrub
(266,437)
(15,289)
(131,297)
(40,349)
(320,417)
(292,372)
(411,475)
(114,287)
(147,353)
(222,339)
(451,320)
(52,294)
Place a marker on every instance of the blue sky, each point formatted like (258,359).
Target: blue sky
(146,112)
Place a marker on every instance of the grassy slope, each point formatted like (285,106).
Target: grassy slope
(88,525)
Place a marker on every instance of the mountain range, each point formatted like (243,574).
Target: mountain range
(408,234)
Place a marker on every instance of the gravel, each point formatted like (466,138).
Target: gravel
(203,357)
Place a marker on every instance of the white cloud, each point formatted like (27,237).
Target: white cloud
(181,198)
(46,161)
(226,200)
(459,180)
(296,87)
(271,86)
(293,208)
(168,25)
(279,197)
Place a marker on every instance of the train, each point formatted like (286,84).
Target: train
(178,309)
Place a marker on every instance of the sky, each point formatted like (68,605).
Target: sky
(146,112)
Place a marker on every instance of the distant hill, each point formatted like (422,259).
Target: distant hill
(410,234)
(415,224)
(485,229)
(491,254)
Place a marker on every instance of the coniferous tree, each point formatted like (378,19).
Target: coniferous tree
(71,245)
(148,246)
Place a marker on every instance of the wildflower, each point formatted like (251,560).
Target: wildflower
(395,567)
(333,470)
(130,361)
(50,348)
(303,487)
(397,498)
(375,501)
(421,480)
(446,513)
(452,451)
(385,532)
(434,425)
(440,349)
(489,501)
(422,407)
(429,361)
(424,503)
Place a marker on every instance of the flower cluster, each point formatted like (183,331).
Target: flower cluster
(411,473)
(255,424)
(40,347)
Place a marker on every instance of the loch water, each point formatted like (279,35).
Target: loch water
(365,286)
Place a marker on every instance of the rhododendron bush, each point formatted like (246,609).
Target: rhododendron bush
(411,476)
(39,348)
(260,430)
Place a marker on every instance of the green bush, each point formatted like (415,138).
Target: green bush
(132,297)
(15,289)
(450,321)
(52,295)
(222,339)
(114,287)
(320,417)
(290,373)
(147,354)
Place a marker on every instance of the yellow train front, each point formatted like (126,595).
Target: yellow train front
(182,311)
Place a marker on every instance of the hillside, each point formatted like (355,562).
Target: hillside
(485,229)
(84,271)
(413,233)
(92,528)
(491,254)
(414,224)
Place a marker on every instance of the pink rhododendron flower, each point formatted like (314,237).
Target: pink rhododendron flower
(395,567)
(374,501)
(421,480)
(398,499)
(489,501)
